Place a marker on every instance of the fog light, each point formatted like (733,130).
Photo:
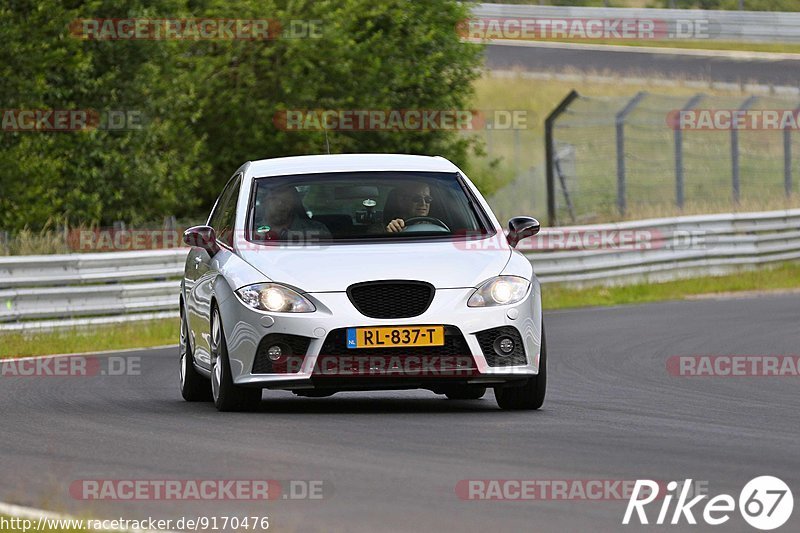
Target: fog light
(274,352)
(505,345)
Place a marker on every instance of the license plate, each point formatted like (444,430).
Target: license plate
(395,337)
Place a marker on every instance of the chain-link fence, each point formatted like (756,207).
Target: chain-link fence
(652,155)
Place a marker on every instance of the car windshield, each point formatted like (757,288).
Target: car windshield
(352,206)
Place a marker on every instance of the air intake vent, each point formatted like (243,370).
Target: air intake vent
(490,346)
(391,299)
(293,351)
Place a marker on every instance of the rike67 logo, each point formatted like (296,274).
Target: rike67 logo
(765,503)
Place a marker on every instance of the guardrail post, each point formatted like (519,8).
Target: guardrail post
(679,190)
(620,125)
(787,161)
(735,177)
(550,154)
(787,157)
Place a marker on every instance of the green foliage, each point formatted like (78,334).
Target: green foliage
(208,106)
(98,175)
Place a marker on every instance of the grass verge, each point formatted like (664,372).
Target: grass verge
(783,276)
(142,334)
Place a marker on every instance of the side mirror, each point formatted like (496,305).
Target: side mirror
(521,227)
(202,237)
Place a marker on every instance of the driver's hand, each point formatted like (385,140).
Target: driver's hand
(395,226)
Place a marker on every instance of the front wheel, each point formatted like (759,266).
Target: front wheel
(531,394)
(227,396)
(194,387)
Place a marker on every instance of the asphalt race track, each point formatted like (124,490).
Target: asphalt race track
(391,461)
(639,63)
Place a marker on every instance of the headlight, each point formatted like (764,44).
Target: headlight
(275,298)
(502,290)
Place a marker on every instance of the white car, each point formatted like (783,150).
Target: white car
(328,273)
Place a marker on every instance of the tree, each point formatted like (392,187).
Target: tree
(394,54)
(208,106)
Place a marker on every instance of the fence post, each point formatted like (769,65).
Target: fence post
(735,151)
(679,191)
(550,154)
(170,222)
(620,124)
(562,180)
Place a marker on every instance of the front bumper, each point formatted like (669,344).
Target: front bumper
(245,328)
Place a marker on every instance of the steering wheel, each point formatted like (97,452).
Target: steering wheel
(433,221)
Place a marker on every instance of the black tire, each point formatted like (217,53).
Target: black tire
(465,392)
(226,395)
(194,386)
(531,394)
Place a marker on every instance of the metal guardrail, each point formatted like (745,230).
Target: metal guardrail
(44,291)
(753,26)
(88,289)
(671,248)
(76,269)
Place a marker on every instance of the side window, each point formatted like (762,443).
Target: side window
(224,216)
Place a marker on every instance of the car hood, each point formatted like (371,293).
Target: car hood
(334,268)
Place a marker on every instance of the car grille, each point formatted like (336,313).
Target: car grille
(294,350)
(487,338)
(391,299)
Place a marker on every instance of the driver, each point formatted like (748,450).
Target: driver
(413,200)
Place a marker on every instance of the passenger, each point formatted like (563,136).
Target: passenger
(284,218)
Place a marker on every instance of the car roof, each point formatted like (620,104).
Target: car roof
(315,164)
